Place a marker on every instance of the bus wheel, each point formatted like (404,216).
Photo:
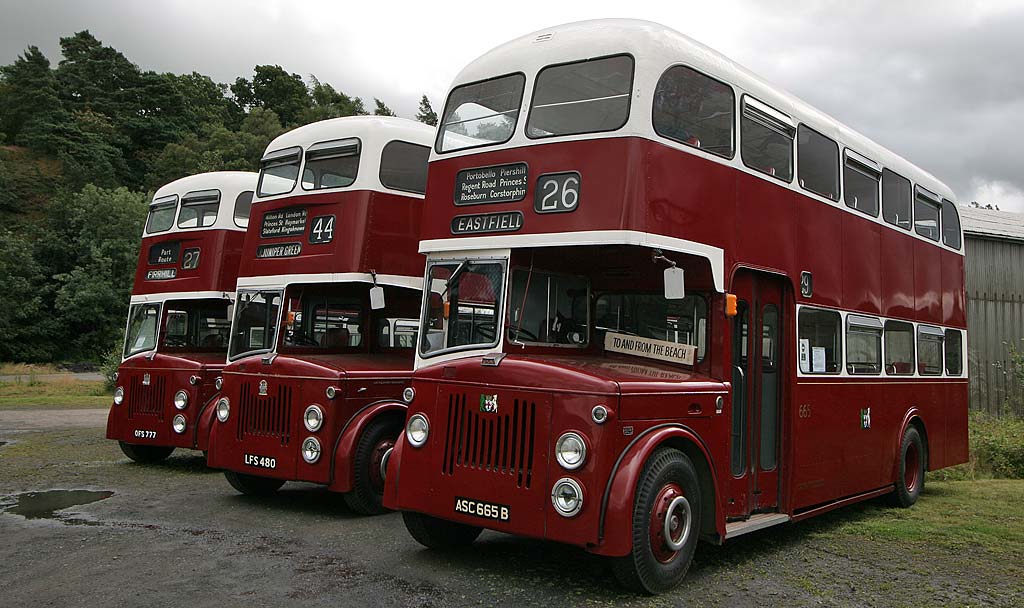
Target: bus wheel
(434,533)
(910,470)
(145,454)
(666,524)
(252,485)
(370,462)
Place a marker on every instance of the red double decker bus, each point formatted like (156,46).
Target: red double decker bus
(328,296)
(668,302)
(177,336)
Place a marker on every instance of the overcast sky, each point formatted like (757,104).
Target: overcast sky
(941,83)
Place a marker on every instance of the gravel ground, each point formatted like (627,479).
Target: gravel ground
(177,534)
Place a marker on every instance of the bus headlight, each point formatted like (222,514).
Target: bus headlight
(331,392)
(218,383)
(408,394)
(567,497)
(119,395)
(181,400)
(313,418)
(311,450)
(178,424)
(417,430)
(571,451)
(223,409)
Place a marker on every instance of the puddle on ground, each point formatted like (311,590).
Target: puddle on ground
(46,504)
(2,443)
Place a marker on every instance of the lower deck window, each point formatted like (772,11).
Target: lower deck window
(820,344)
(954,352)
(143,322)
(863,345)
(899,348)
(929,351)
(548,308)
(652,316)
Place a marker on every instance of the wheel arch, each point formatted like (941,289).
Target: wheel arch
(914,418)
(344,446)
(616,516)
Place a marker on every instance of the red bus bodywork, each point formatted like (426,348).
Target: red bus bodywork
(150,379)
(376,231)
(633,191)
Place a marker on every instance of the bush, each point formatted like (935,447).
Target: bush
(108,367)
(997,450)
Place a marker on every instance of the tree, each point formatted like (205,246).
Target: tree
(329,103)
(29,94)
(426,114)
(272,88)
(381,109)
(27,331)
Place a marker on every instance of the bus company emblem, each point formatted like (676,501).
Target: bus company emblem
(865,418)
(263,388)
(146,379)
(507,221)
(489,404)
(498,184)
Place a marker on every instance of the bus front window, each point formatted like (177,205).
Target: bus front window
(197,326)
(323,319)
(652,316)
(254,328)
(143,321)
(462,306)
(548,309)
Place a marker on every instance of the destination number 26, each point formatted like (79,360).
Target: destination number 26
(557,193)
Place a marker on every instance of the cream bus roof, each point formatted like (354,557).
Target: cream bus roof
(656,48)
(229,183)
(373,132)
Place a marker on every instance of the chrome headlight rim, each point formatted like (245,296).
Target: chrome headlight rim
(311,450)
(312,428)
(223,409)
(119,395)
(408,394)
(599,414)
(576,490)
(218,383)
(331,392)
(418,426)
(178,424)
(181,399)
(562,461)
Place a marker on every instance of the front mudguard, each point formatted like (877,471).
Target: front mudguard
(342,473)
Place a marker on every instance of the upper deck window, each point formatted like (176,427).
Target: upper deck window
(199,209)
(696,110)
(817,163)
(278,171)
(950,225)
(766,139)
(896,195)
(161,214)
(926,213)
(860,178)
(403,166)
(331,164)
(548,308)
(481,114)
(243,205)
(583,97)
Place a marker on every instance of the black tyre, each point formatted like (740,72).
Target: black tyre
(145,454)
(434,533)
(666,524)
(372,452)
(252,485)
(910,468)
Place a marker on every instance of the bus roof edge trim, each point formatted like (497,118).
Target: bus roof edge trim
(278,281)
(714,255)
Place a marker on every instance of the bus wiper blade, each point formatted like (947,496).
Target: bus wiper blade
(455,275)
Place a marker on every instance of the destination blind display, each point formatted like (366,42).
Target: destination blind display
(162,274)
(499,184)
(285,222)
(164,253)
(283,250)
(509,221)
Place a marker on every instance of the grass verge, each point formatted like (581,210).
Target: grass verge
(62,393)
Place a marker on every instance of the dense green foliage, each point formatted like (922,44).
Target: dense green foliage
(997,449)
(82,147)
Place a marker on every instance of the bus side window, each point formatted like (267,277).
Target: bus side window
(695,110)
(817,163)
(896,195)
(929,351)
(954,352)
(403,166)
(950,225)
(820,341)
(899,348)
(766,140)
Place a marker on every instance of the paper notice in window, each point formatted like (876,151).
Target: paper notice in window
(818,359)
(669,352)
(805,355)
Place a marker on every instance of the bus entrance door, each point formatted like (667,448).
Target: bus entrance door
(757,375)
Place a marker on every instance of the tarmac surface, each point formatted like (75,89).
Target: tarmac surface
(117,533)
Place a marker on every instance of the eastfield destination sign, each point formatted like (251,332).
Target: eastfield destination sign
(498,184)
(508,221)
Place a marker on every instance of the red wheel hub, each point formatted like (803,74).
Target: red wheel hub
(380,451)
(669,523)
(912,468)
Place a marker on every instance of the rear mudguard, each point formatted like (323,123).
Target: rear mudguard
(615,527)
(344,449)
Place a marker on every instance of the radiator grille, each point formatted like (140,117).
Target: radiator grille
(501,444)
(146,400)
(265,415)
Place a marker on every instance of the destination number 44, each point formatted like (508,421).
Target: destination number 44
(557,193)
(322,230)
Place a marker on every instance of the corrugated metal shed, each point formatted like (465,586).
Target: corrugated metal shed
(995,306)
